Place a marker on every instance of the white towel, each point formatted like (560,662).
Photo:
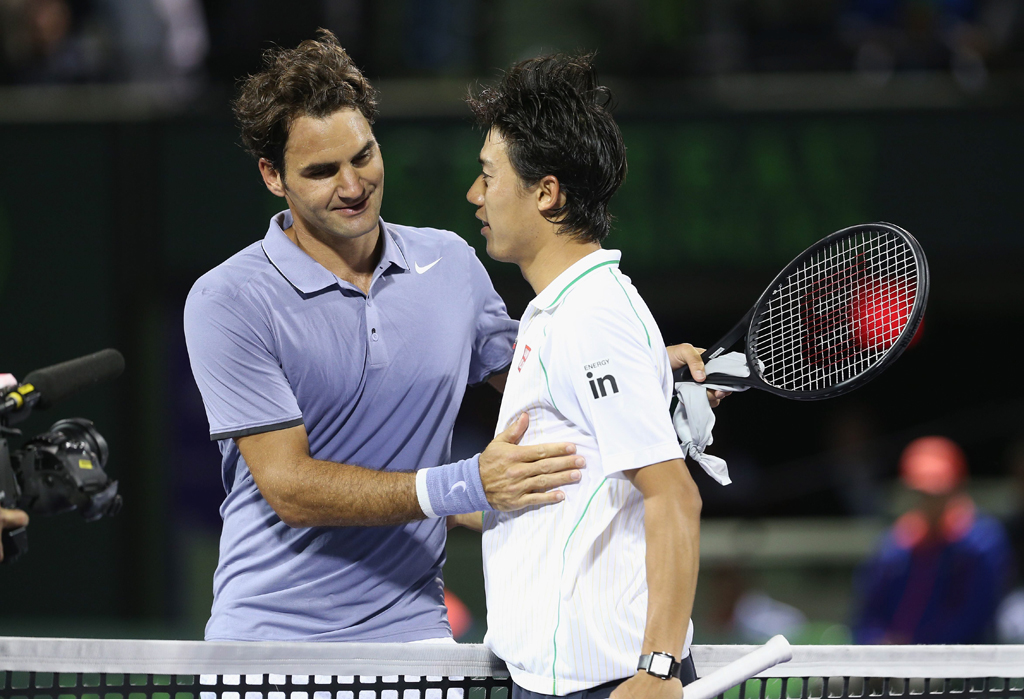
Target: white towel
(694,418)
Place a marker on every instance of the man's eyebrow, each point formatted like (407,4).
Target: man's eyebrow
(365,150)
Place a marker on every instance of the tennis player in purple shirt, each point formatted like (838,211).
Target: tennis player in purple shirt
(332,357)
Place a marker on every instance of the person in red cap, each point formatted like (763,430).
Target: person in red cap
(943,568)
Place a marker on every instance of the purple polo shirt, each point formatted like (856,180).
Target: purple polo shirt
(277,340)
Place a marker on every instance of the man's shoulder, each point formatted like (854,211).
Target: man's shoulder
(417,239)
(233,275)
(604,293)
(606,302)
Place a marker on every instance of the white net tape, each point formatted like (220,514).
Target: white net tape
(838,313)
(245,661)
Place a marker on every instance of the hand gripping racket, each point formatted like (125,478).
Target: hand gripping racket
(834,318)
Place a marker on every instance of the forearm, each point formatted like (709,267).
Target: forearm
(672,524)
(307,492)
(314,493)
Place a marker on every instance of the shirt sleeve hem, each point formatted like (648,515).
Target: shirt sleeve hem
(626,461)
(257,429)
(503,370)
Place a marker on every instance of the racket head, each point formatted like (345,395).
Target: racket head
(839,314)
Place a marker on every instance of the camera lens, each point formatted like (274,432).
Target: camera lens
(78,429)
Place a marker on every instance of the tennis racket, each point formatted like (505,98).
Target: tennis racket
(834,318)
(776,650)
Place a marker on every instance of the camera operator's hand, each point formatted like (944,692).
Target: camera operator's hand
(11,519)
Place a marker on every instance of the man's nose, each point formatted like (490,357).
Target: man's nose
(348,184)
(475,194)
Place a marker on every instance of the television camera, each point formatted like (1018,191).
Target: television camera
(62,468)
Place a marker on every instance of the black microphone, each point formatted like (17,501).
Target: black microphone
(44,387)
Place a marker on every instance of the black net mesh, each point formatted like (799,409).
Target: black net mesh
(50,685)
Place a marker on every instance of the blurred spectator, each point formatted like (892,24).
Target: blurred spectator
(68,41)
(153,39)
(1010,616)
(961,35)
(47,41)
(943,568)
(145,40)
(1015,524)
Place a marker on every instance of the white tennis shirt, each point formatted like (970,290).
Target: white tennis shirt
(566,583)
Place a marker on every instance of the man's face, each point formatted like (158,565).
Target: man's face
(334,175)
(509,214)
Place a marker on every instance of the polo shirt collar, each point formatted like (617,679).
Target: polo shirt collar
(306,274)
(557,290)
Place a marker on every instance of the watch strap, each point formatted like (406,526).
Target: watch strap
(661,665)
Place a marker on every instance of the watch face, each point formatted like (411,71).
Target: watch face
(661,665)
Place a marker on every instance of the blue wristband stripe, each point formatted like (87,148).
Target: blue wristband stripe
(456,489)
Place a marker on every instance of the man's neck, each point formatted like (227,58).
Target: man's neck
(350,259)
(553,259)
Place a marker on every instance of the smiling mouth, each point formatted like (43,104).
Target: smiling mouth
(356,208)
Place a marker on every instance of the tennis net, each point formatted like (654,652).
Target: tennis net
(39,668)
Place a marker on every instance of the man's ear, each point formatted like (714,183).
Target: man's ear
(272,178)
(549,195)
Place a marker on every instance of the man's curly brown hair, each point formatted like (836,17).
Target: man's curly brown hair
(316,79)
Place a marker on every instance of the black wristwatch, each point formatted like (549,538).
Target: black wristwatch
(661,665)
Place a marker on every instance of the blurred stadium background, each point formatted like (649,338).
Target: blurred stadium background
(753,127)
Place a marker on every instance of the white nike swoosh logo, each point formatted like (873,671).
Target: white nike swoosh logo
(457,484)
(421,270)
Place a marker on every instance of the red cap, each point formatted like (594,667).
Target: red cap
(933,465)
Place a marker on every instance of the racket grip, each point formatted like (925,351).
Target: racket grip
(683,372)
(776,650)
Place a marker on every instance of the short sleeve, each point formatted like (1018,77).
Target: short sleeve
(618,385)
(494,332)
(243,386)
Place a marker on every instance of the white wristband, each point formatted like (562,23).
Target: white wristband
(422,495)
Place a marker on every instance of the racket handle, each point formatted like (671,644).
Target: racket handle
(683,372)
(730,339)
(775,651)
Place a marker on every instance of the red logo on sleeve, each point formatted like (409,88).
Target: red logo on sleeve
(526,353)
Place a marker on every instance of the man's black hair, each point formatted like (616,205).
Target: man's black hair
(556,120)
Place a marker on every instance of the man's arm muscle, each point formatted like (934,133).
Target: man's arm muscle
(306,492)
(672,524)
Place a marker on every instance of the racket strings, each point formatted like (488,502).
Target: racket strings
(838,313)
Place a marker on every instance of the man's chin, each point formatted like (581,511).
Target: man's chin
(497,254)
(353,227)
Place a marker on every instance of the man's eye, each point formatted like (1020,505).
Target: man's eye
(321,173)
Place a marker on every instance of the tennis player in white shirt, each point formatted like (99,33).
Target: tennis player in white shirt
(582,595)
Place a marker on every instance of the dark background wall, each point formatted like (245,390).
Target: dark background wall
(104,226)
